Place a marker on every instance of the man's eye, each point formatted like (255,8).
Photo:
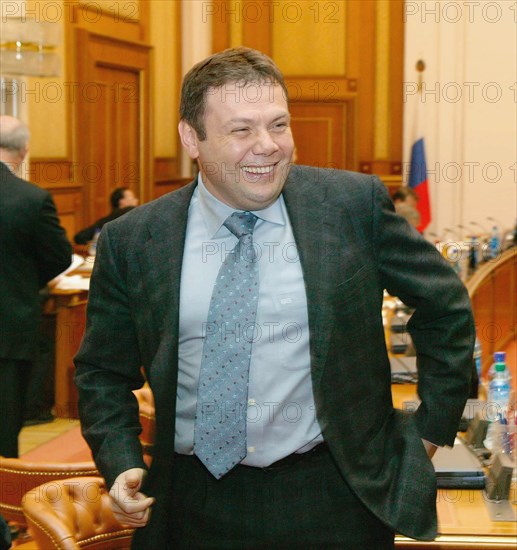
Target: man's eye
(239,130)
(280,126)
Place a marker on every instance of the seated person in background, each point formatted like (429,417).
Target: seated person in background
(405,201)
(122,200)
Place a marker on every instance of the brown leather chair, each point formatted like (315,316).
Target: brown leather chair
(145,399)
(74,513)
(19,476)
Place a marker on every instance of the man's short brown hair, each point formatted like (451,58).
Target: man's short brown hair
(241,66)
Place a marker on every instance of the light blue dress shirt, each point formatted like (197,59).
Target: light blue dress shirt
(281,415)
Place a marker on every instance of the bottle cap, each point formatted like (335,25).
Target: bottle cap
(500,357)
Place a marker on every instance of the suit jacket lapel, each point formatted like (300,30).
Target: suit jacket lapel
(317,238)
(161,259)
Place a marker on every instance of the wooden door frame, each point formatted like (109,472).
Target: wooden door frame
(87,44)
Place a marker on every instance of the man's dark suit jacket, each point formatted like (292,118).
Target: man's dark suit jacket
(352,246)
(33,250)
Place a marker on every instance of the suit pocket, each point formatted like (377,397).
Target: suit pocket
(359,293)
(356,277)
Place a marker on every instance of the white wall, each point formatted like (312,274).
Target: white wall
(468,109)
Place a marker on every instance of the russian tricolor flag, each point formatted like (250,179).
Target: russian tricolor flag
(418,182)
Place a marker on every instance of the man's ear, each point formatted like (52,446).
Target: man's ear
(189,139)
(23,153)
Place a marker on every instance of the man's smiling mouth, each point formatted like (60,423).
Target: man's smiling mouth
(258,169)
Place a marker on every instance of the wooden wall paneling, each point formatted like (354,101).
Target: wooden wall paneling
(370,53)
(483,307)
(354,61)
(57,177)
(113,119)
(323,120)
(318,131)
(129,22)
(505,297)
(220,25)
(145,18)
(51,172)
(369,81)
(354,42)
(119,117)
(165,174)
(166,62)
(70,308)
(492,290)
(396,72)
(366,86)
(172,184)
(97,171)
(83,131)
(256,25)
(68,201)
(324,89)
(179,79)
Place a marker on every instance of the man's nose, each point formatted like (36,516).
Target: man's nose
(264,144)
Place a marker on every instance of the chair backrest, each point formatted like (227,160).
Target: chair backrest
(74,513)
(19,476)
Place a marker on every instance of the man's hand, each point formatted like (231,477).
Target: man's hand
(429,447)
(130,507)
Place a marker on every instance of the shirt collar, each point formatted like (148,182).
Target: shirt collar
(215,212)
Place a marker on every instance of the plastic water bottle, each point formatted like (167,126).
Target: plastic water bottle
(499,357)
(454,257)
(499,389)
(494,244)
(498,403)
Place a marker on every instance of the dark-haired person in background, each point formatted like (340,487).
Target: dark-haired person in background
(33,250)
(122,200)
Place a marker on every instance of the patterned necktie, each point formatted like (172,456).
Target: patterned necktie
(220,426)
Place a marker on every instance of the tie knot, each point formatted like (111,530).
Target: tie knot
(241,223)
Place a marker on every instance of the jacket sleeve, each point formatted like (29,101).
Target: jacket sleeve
(85,235)
(52,248)
(108,368)
(442,327)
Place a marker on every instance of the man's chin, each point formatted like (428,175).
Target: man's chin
(259,201)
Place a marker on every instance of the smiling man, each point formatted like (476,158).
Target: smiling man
(252,298)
